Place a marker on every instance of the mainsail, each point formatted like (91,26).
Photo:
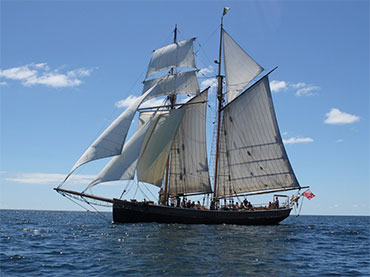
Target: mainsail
(252,152)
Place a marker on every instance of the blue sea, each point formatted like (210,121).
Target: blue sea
(51,243)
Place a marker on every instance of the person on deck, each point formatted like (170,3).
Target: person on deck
(188,205)
(197,205)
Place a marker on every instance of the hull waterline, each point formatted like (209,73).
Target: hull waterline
(134,212)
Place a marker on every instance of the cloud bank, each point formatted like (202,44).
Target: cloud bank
(40,74)
(49,178)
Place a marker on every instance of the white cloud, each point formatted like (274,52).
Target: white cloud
(153,103)
(307,90)
(302,88)
(277,86)
(18,73)
(206,71)
(3,83)
(335,116)
(211,82)
(128,101)
(299,85)
(40,74)
(50,178)
(132,98)
(339,140)
(294,140)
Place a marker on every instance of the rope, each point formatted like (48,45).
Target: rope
(96,211)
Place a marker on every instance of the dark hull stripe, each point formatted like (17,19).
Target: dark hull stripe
(131,212)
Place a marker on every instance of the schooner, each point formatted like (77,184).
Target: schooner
(169,148)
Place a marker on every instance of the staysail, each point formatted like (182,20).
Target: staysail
(189,165)
(122,167)
(146,152)
(154,155)
(240,68)
(111,141)
(252,150)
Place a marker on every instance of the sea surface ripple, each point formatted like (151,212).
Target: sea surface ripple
(54,243)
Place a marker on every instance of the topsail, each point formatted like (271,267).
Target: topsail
(179,54)
(240,68)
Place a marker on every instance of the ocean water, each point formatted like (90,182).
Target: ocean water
(50,243)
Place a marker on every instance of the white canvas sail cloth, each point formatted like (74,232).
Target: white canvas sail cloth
(240,68)
(179,54)
(185,83)
(111,141)
(122,167)
(254,151)
(146,151)
(154,155)
(189,165)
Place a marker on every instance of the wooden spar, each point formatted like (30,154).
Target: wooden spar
(172,106)
(84,195)
(220,100)
(165,192)
(262,192)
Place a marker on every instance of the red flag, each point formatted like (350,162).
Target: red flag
(309,194)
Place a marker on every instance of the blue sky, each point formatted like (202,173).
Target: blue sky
(66,67)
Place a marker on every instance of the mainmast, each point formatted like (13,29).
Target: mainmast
(172,98)
(220,98)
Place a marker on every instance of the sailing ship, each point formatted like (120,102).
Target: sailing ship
(169,148)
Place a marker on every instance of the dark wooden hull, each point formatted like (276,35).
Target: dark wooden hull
(133,212)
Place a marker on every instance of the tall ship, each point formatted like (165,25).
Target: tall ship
(169,148)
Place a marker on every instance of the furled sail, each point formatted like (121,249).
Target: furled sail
(111,141)
(189,165)
(240,68)
(154,155)
(122,167)
(179,54)
(185,83)
(254,151)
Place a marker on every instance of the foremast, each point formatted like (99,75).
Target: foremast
(172,98)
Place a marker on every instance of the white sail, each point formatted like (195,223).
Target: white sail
(155,153)
(178,54)
(122,167)
(111,141)
(189,165)
(144,117)
(255,154)
(185,83)
(240,68)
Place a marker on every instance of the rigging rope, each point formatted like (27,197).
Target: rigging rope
(97,213)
